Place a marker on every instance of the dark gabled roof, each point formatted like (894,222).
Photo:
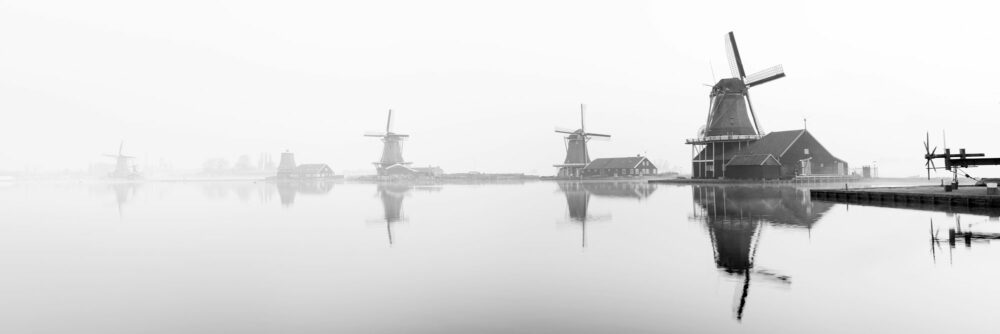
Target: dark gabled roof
(311,168)
(754,160)
(604,163)
(774,143)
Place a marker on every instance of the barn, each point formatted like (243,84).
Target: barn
(784,154)
(312,171)
(619,167)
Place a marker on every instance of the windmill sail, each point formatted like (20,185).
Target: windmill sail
(770,74)
(735,63)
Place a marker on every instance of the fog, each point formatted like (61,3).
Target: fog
(480,86)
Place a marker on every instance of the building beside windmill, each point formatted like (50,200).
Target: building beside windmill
(732,145)
(636,166)
(288,170)
(784,154)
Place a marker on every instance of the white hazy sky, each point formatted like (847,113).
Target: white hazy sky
(480,85)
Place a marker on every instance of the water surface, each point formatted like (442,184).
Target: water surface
(245,257)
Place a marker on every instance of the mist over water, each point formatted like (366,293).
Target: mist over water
(257,257)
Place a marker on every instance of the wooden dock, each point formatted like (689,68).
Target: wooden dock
(962,200)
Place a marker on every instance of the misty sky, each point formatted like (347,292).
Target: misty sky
(481,85)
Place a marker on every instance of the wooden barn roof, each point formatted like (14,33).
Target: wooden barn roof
(311,168)
(625,162)
(774,143)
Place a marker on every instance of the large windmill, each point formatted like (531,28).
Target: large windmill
(392,150)
(732,123)
(123,170)
(577,155)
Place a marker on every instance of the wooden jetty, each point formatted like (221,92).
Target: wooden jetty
(813,179)
(964,199)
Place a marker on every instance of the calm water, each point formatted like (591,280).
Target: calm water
(243,257)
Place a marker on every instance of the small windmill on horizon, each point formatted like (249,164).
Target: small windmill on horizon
(392,149)
(577,154)
(123,168)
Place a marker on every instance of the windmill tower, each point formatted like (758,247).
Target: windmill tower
(577,155)
(392,149)
(732,123)
(123,170)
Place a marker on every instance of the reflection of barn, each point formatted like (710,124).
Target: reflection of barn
(287,190)
(637,190)
(735,216)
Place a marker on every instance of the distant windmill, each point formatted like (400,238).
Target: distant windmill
(392,150)
(730,99)
(577,155)
(123,170)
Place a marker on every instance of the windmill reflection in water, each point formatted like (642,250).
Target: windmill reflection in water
(735,217)
(578,199)
(391,195)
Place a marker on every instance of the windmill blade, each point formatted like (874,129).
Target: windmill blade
(374,134)
(398,135)
(597,135)
(111,155)
(583,109)
(121,146)
(927,147)
(756,124)
(735,63)
(564,130)
(770,74)
(388,122)
(600,138)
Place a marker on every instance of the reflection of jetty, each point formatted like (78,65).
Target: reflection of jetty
(962,199)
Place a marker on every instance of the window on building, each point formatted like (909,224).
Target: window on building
(805,151)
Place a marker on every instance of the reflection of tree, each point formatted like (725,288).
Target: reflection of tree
(735,217)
